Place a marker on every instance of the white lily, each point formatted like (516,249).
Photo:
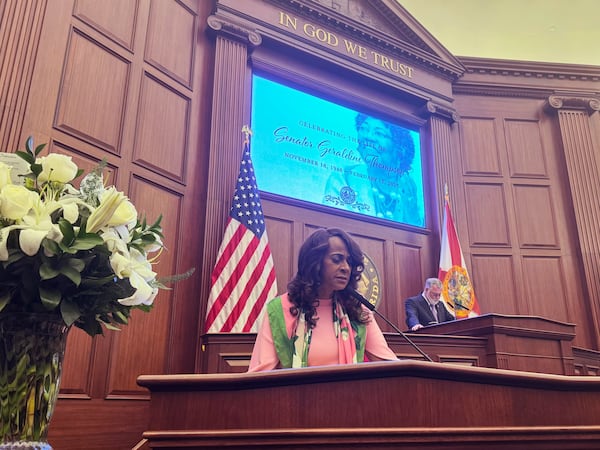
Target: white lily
(35,211)
(110,200)
(138,270)
(4,232)
(144,293)
(38,225)
(116,239)
(70,212)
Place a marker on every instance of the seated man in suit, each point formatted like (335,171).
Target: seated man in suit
(426,309)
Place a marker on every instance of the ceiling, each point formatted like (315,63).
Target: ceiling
(559,31)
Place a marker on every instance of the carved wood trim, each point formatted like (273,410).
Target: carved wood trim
(233,31)
(531,69)
(580,149)
(230,107)
(491,438)
(444,162)
(521,79)
(432,108)
(413,48)
(573,102)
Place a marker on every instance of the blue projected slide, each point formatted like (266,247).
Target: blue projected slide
(309,149)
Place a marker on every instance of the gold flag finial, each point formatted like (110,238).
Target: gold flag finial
(247,132)
(446,194)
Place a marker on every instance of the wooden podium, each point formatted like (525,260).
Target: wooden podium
(386,405)
(528,343)
(499,341)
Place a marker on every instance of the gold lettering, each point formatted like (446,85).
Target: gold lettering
(321,35)
(353,48)
(376,57)
(309,30)
(391,64)
(395,66)
(385,62)
(287,21)
(374,293)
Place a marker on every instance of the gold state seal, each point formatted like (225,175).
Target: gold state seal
(369,283)
(458,291)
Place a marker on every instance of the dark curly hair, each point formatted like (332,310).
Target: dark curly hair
(403,142)
(303,288)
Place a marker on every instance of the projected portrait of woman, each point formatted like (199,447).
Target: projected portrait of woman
(381,185)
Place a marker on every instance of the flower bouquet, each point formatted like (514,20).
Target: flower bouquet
(68,257)
(81,254)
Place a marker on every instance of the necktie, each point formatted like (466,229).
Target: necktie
(434,311)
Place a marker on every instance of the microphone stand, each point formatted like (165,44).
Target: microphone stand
(397,330)
(358,296)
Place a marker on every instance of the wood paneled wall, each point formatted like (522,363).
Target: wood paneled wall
(20,28)
(161,88)
(124,81)
(525,196)
(517,212)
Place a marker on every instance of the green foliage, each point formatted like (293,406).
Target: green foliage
(84,278)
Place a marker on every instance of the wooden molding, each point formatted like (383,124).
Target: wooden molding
(233,30)
(435,109)
(590,104)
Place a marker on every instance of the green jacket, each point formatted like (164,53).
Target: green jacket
(284,345)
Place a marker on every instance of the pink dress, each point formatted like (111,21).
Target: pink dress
(323,347)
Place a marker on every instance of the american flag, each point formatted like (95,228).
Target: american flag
(244,276)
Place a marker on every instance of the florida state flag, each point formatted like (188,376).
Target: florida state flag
(457,291)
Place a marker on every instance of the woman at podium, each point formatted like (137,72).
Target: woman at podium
(318,321)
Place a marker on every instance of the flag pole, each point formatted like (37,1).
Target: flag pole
(446,194)
(247,133)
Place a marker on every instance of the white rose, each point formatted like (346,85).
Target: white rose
(5,176)
(124,214)
(56,167)
(16,201)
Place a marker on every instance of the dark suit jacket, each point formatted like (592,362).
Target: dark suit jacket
(418,311)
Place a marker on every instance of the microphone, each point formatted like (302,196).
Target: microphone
(358,296)
(458,305)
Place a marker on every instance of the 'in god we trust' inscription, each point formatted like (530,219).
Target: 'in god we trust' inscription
(345,45)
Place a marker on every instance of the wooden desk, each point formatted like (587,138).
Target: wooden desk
(528,343)
(400,405)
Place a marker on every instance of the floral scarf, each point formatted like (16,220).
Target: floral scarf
(342,327)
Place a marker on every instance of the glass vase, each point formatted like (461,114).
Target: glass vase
(31,354)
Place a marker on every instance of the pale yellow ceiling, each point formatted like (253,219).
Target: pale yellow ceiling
(562,31)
